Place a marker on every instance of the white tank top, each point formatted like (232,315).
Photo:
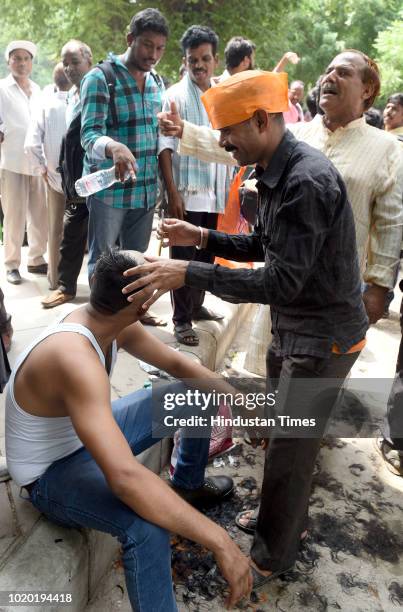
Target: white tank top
(33,443)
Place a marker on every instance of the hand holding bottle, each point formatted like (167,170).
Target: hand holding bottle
(123,160)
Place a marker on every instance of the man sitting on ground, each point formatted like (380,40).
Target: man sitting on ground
(74,450)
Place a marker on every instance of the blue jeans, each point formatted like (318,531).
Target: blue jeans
(74,493)
(132,226)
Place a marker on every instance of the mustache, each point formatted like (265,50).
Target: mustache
(328,88)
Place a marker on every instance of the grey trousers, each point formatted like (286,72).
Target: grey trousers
(23,200)
(56,208)
(290,461)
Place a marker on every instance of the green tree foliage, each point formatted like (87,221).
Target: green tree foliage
(389,48)
(315,29)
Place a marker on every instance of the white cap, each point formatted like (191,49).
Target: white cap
(27,45)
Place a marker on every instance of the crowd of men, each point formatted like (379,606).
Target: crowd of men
(327,227)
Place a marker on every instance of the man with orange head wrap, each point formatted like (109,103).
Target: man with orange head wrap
(306,238)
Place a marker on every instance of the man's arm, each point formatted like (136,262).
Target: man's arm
(176,207)
(87,400)
(137,341)
(195,140)
(33,146)
(202,142)
(167,145)
(288,58)
(238,247)
(95,99)
(301,229)
(2,126)
(385,237)
(386,223)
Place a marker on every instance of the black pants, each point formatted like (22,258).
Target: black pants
(72,248)
(187,300)
(290,462)
(394,418)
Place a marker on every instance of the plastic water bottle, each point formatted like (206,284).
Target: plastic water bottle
(102,179)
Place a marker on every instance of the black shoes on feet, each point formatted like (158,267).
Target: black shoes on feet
(14,277)
(41,269)
(214,490)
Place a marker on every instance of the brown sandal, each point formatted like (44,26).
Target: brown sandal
(152,320)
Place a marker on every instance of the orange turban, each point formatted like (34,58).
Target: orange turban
(236,99)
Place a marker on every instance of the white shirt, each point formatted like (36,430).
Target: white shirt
(44,136)
(73,104)
(16,110)
(371,164)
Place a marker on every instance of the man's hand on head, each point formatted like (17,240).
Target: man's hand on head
(138,299)
(123,160)
(170,123)
(157,277)
(374,302)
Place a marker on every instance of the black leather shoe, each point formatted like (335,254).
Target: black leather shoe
(41,269)
(214,490)
(14,277)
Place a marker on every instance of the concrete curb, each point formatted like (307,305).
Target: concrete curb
(42,556)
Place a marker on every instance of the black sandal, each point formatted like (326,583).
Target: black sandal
(185,334)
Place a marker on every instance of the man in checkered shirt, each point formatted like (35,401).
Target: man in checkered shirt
(124,211)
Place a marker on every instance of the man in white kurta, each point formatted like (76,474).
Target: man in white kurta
(22,193)
(42,146)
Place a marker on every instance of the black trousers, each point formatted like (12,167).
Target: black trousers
(72,248)
(187,300)
(394,418)
(290,462)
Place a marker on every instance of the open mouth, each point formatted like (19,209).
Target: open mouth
(328,90)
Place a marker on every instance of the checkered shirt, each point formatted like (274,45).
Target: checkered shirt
(137,129)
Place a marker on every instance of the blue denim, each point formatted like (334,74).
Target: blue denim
(107,225)
(73,492)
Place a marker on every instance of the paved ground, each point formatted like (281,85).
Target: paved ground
(352,559)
